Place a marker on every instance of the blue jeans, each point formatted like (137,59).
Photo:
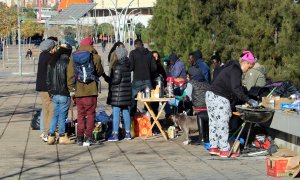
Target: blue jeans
(116,118)
(61,105)
(41,122)
(136,87)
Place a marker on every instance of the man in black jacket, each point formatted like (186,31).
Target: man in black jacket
(142,65)
(48,49)
(58,92)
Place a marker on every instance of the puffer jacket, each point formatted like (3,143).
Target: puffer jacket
(120,85)
(81,89)
(198,93)
(57,77)
(256,76)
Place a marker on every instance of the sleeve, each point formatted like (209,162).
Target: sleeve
(176,70)
(132,61)
(236,87)
(207,74)
(153,64)
(98,65)
(49,75)
(116,77)
(189,90)
(70,75)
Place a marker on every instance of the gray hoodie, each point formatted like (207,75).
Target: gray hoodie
(255,77)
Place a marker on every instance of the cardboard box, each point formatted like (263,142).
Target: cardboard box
(283,166)
(277,102)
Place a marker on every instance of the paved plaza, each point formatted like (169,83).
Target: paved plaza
(24,156)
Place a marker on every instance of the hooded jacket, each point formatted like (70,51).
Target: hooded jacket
(120,85)
(142,64)
(228,83)
(256,76)
(81,89)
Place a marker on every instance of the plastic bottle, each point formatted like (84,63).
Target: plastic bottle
(272,103)
(147,92)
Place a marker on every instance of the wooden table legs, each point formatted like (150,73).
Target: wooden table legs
(155,118)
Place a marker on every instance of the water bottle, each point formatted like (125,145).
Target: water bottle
(272,103)
(147,92)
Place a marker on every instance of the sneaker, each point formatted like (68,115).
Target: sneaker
(113,138)
(80,141)
(87,142)
(127,136)
(42,135)
(51,140)
(45,138)
(214,151)
(226,153)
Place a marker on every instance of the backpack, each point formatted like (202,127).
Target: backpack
(35,121)
(83,67)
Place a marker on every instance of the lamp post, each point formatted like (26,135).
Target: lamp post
(118,27)
(76,24)
(19,38)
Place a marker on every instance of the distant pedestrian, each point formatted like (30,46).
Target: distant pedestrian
(48,49)
(58,91)
(85,93)
(28,54)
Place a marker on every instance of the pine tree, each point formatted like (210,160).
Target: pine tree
(270,29)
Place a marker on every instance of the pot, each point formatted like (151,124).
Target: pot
(255,115)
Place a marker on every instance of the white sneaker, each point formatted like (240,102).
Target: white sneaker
(42,135)
(86,143)
(45,138)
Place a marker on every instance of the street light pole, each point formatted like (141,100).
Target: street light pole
(19,38)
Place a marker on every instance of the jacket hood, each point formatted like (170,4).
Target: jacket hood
(259,67)
(142,50)
(231,62)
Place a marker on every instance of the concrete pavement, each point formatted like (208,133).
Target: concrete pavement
(24,156)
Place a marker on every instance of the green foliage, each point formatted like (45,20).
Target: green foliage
(271,29)
(105,28)
(29,13)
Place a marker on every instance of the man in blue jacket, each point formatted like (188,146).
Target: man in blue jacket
(195,59)
(177,67)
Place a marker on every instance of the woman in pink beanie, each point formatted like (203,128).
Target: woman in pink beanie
(221,94)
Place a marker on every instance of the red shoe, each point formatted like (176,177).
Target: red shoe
(214,151)
(226,153)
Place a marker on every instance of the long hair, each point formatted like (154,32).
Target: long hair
(117,44)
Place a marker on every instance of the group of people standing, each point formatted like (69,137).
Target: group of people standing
(58,86)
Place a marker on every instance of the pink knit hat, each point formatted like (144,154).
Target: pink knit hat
(88,41)
(248,56)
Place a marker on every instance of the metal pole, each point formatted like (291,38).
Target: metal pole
(19,39)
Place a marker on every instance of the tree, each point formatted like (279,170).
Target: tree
(271,29)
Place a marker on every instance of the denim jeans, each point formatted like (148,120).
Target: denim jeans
(61,105)
(116,118)
(41,122)
(136,87)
